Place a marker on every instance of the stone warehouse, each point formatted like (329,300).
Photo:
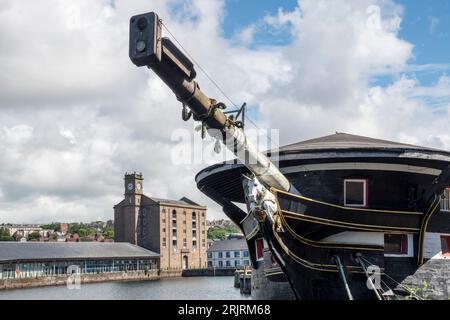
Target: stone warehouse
(175,229)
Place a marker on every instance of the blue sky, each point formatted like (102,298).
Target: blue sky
(425,24)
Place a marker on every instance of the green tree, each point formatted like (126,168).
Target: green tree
(233,229)
(216,233)
(34,236)
(108,233)
(5,235)
(55,226)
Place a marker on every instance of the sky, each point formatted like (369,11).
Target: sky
(76,114)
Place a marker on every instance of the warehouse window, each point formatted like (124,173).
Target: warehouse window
(445,201)
(445,243)
(355,192)
(396,244)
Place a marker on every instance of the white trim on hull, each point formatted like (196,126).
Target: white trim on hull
(361,166)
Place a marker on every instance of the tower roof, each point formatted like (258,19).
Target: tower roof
(183,202)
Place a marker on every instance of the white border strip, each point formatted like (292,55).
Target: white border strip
(361,166)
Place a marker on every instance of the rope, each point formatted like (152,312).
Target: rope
(374,288)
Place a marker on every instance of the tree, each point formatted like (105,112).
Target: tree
(55,226)
(34,236)
(5,235)
(109,233)
(216,233)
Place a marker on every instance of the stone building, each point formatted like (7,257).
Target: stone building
(175,229)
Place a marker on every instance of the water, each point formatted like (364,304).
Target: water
(195,288)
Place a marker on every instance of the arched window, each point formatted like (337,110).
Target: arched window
(174,215)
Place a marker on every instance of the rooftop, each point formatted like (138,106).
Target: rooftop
(182,202)
(229,245)
(44,251)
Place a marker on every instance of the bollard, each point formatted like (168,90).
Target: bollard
(236,279)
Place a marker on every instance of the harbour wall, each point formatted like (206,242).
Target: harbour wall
(60,280)
(210,272)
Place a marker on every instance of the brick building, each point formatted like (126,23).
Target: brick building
(175,229)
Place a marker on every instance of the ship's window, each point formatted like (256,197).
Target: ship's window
(355,193)
(259,249)
(445,243)
(445,201)
(396,244)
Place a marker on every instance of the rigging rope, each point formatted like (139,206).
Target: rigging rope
(369,280)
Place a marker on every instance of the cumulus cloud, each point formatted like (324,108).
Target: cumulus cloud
(75,114)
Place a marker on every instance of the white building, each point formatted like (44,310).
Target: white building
(230,253)
(22,230)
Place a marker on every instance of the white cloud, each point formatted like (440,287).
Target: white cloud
(76,114)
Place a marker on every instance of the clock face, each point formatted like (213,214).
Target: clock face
(130,186)
(138,186)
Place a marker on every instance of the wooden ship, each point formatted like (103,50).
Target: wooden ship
(340,217)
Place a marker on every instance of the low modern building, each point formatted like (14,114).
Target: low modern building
(229,253)
(175,229)
(41,259)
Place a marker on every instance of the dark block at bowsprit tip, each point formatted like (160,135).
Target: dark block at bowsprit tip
(145,39)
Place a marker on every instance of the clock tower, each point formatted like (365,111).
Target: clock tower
(128,220)
(133,184)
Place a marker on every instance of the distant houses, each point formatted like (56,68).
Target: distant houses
(97,231)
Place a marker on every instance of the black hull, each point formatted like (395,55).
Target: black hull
(310,263)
